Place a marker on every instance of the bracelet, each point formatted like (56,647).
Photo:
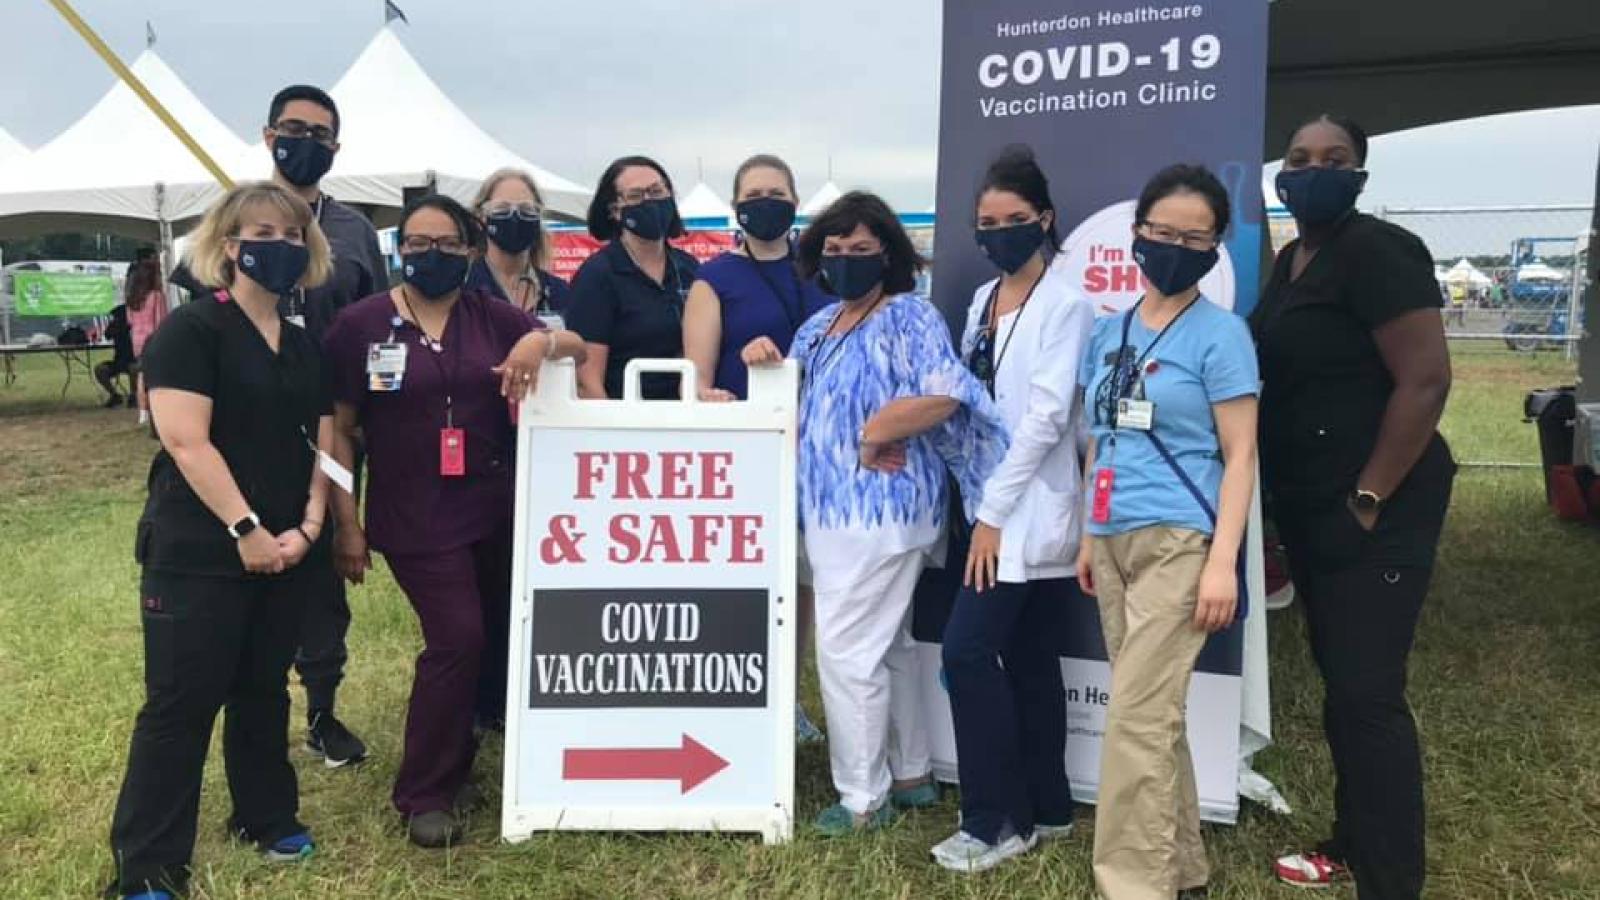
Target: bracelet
(550,338)
(302,532)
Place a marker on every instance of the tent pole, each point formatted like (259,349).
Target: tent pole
(164,238)
(137,86)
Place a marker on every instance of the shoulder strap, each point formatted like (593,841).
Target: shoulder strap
(1211,514)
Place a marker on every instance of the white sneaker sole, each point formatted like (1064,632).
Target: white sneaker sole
(984,863)
(329,762)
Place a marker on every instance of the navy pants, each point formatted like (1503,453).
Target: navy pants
(1009,707)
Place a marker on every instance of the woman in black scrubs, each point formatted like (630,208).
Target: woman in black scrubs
(230,540)
(627,300)
(1356,372)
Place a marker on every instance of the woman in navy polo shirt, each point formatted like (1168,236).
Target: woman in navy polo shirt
(627,300)
(512,267)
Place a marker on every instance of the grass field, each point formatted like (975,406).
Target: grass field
(1505,684)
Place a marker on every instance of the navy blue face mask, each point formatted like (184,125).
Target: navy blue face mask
(275,265)
(853,277)
(1172,268)
(302,160)
(650,219)
(1318,195)
(1011,247)
(765,218)
(433,272)
(511,232)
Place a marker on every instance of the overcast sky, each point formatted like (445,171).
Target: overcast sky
(571,85)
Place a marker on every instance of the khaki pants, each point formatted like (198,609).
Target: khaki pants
(1147,822)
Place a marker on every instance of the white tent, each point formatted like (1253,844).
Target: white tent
(11,150)
(702,208)
(383,99)
(1539,271)
(1465,272)
(821,200)
(118,168)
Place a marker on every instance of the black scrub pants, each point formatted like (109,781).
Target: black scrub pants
(210,643)
(1362,595)
(322,652)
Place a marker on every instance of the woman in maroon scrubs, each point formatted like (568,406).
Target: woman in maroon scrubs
(424,371)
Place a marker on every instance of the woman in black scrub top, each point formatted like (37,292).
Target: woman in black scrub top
(230,541)
(627,300)
(1356,372)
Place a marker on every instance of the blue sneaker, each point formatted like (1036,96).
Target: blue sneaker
(919,797)
(293,848)
(149,895)
(838,821)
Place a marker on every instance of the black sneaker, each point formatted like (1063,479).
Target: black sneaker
(113,401)
(434,830)
(328,738)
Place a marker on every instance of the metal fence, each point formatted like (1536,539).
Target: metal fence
(1512,276)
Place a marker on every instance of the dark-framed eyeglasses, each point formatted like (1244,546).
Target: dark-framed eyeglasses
(421,243)
(527,212)
(296,128)
(1166,234)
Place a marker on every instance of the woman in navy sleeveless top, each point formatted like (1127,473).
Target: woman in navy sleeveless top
(753,292)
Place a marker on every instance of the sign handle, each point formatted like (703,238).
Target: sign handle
(687,382)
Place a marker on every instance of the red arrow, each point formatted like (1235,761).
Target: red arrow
(689,764)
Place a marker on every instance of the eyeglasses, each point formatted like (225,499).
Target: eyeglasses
(527,212)
(295,128)
(1166,234)
(635,196)
(421,243)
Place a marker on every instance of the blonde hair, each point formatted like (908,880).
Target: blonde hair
(208,255)
(541,251)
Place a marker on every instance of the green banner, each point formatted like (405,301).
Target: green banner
(62,294)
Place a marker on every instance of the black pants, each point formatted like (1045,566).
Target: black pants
(322,653)
(1362,595)
(209,644)
(1009,707)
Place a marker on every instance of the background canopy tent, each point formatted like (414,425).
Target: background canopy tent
(381,96)
(821,200)
(1464,272)
(702,208)
(118,169)
(11,149)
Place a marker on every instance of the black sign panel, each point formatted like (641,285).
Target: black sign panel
(649,647)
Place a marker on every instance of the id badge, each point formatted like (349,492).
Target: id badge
(1100,512)
(452,452)
(553,322)
(386,367)
(1139,415)
(297,321)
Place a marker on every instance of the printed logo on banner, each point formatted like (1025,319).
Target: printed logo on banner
(648,648)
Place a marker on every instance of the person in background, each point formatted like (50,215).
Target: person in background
(512,268)
(425,372)
(230,542)
(302,134)
(1171,390)
(122,359)
(146,299)
(1357,372)
(627,299)
(1024,340)
(886,409)
(754,292)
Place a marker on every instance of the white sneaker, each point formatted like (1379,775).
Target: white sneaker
(1053,832)
(144,417)
(961,852)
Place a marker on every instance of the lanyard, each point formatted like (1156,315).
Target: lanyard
(984,345)
(793,313)
(1121,377)
(811,371)
(436,350)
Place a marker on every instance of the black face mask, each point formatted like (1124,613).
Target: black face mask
(433,272)
(650,219)
(1011,247)
(853,277)
(302,160)
(765,218)
(1172,268)
(1317,195)
(511,232)
(275,265)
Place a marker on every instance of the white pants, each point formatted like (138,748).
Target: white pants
(867,664)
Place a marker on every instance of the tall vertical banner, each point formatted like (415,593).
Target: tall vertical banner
(1106,94)
(652,671)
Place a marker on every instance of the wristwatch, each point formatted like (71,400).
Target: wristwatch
(1365,501)
(244,526)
